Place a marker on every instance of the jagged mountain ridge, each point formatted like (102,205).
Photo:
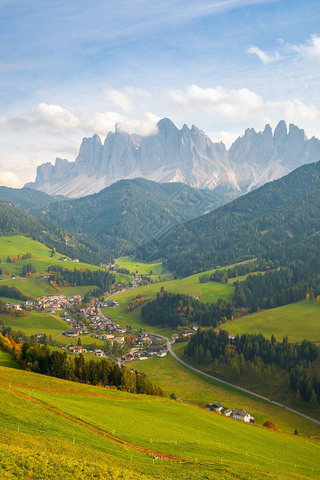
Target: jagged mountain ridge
(186,155)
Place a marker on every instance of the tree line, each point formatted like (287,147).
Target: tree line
(298,276)
(12,292)
(170,309)
(78,277)
(255,352)
(40,359)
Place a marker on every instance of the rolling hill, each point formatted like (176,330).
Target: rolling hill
(130,212)
(14,221)
(57,428)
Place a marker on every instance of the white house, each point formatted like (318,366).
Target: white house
(242,415)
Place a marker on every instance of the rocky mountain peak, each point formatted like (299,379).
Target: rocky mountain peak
(186,155)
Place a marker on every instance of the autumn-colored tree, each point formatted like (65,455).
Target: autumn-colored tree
(308,297)
(270,425)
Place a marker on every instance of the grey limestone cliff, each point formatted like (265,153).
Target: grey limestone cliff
(186,155)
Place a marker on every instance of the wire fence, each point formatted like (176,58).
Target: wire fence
(153,451)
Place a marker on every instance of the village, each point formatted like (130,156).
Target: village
(89,320)
(121,343)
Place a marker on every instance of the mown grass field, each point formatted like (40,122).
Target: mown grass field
(111,434)
(197,389)
(298,320)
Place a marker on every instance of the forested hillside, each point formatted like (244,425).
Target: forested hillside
(14,221)
(284,212)
(27,198)
(131,212)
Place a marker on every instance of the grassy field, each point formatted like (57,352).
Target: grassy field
(197,389)
(111,434)
(139,268)
(41,322)
(42,259)
(242,278)
(7,360)
(298,320)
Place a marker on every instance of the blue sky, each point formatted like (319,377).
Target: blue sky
(69,69)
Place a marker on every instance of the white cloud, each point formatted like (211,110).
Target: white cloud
(217,100)
(310,50)
(143,127)
(47,116)
(9,179)
(226,137)
(104,122)
(125,98)
(54,116)
(264,57)
(241,104)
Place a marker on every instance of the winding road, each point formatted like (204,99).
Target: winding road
(237,387)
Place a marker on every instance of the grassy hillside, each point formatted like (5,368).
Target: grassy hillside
(139,268)
(298,321)
(41,322)
(101,433)
(7,360)
(41,259)
(41,255)
(14,221)
(200,390)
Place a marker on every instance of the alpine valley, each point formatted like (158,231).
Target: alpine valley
(150,328)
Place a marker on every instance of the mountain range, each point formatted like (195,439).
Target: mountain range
(187,155)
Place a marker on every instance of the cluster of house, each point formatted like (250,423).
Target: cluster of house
(185,333)
(151,351)
(229,412)
(14,305)
(55,301)
(109,304)
(65,259)
(51,301)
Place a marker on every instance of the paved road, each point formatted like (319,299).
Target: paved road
(237,387)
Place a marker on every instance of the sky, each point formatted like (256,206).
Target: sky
(72,68)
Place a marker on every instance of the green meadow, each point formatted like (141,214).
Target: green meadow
(42,255)
(7,360)
(297,320)
(200,390)
(139,268)
(99,428)
(42,322)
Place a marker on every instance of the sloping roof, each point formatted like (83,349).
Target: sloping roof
(239,412)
